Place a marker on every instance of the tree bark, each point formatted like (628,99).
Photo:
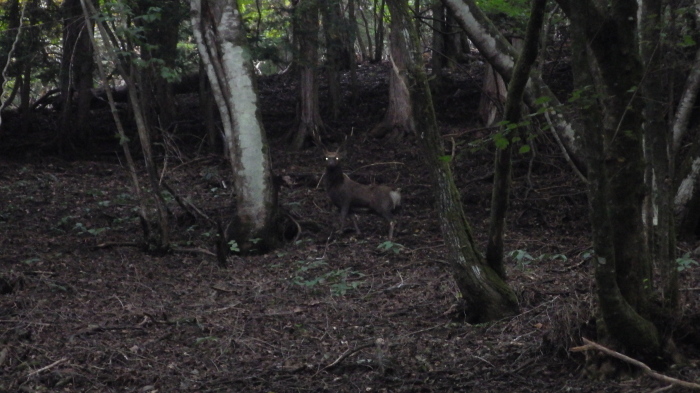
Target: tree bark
(398,119)
(438,60)
(157,240)
(378,31)
(502,172)
(488,298)
(606,57)
(306,28)
(161,35)
(221,41)
(494,47)
(335,53)
(660,221)
(75,78)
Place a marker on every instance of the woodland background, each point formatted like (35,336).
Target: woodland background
(549,195)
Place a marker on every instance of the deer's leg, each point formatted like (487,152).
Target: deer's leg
(354,222)
(343,213)
(390,219)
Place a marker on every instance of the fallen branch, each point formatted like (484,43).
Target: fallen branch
(647,370)
(54,364)
(118,244)
(196,250)
(348,353)
(186,205)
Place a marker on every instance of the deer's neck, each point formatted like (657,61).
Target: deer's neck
(334,176)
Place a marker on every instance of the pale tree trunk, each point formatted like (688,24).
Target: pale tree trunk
(221,41)
(494,47)
(687,198)
(487,297)
(493,95)
(690,94)
(398,120)
(494,92)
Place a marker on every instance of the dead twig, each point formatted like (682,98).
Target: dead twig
(298,227)
(118,244)
(347,353)
(647,370)
(196,250)
(54,364)
(186,205)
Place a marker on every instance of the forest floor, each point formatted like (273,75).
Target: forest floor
(81,310)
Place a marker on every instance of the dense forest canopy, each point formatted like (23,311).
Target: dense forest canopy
(605,92)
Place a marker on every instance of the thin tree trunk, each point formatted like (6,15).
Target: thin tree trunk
(502,173)
(158,240)
(24,96)
(660,233)
(77,66)
(379,31)
(488,298)
(437,61)
(208,106)
(370,51)
(353,36)
(154,241)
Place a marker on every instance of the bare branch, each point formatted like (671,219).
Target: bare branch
(647,370)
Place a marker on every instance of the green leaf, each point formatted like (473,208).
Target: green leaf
(447,158)
(524,149)
(543,100)
(687,41)
(500,141)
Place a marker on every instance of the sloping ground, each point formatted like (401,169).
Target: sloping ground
(82,311)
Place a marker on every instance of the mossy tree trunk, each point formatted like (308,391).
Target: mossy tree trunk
(487,296)
(608,71)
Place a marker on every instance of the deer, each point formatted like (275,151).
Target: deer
(349,196)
